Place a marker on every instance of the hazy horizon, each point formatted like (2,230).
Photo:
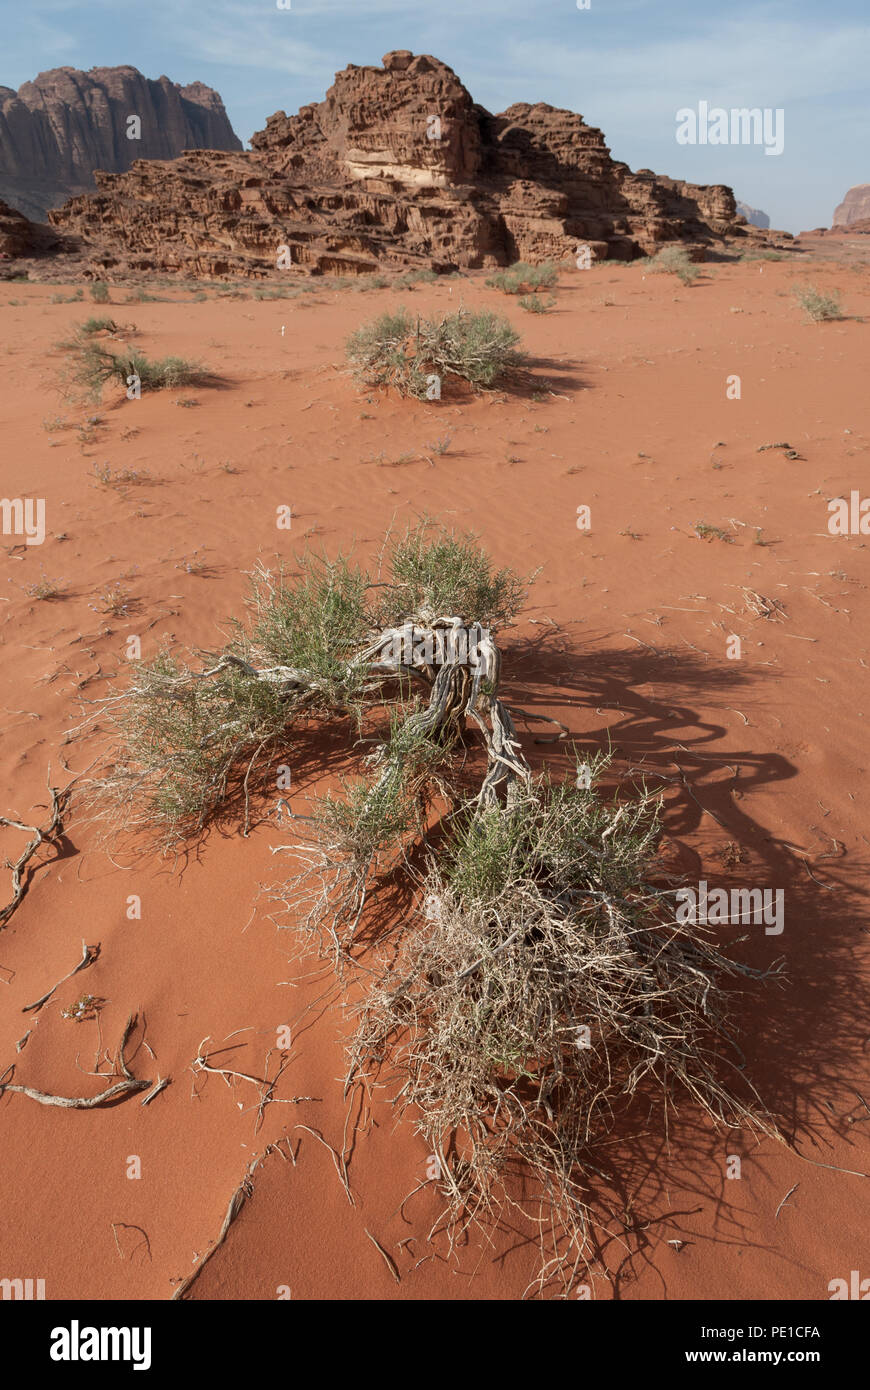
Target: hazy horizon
(627,66)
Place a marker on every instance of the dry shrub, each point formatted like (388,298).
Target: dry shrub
(544,984)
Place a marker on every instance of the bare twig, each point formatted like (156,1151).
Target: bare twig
(89,955)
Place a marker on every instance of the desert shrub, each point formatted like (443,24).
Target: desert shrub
(674,260)
(435,573)
(545,984)
(539,980)
(96,324)
(140,296)
(765,254)
(414,277)
(90,366)
(90,328)
(521,278)
(479,347)
(363,283)
(308,647)
(818,306)
(99,292)
(316,623)
(536,304)
(398,350)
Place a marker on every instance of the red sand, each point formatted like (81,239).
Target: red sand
(624,637)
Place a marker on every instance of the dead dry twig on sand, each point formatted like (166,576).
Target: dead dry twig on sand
(47,834)
(127,1086)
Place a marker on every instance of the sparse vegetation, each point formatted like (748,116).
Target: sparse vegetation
(674,260)
(115,600)
(90,366)
(705,532)
(99,292)
(536,304)
(766,254)
(440,445)
(400,351)
(99,324)
(106,476)
(45,588)
(541,981)
(522,278)
(818,306)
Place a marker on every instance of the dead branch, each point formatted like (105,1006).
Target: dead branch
(89,955)
(128,1086)
(48,834)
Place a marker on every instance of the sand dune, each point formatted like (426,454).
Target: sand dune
(625,639)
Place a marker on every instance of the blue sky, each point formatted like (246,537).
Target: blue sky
(627,65)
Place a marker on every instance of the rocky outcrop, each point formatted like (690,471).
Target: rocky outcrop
(20,238)
(855,207)
(396,167)
(754,216)
(56,131)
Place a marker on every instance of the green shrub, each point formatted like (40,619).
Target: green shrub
(765,254)
(397,350)
(535,304)
(818,306)
(521,278)
(674,260)
(91,366)
(99,292)
(434,572)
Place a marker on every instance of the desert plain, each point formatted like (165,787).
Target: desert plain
(708,520)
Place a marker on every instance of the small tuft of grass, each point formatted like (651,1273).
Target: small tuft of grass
(535,304)
(106,476)
(440,445)
(45,588)
(99,292)
(194,564)
(705,532)
(115,600)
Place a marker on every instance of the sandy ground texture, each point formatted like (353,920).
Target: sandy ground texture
(625,639)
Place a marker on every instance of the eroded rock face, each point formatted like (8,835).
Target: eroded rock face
(396,167)
(60,128)
(20,238)
(855,207)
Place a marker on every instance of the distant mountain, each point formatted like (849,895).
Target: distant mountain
(754,216)
(855,207)
(56,130)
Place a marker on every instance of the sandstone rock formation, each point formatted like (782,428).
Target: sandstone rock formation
(57,130)
(397,167)
(855,207)
(21,238)
(754,216)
